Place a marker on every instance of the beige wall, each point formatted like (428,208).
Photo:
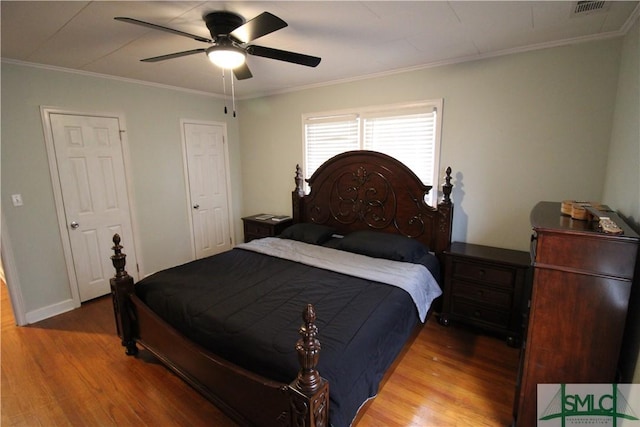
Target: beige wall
(516,129)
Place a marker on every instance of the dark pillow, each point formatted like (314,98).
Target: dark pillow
(384,245)
(308,232)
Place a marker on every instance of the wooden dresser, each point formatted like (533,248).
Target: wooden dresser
(484,287)
(581,284)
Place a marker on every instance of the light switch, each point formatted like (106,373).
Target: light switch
(16,199)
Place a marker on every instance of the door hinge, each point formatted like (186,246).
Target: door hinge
(138,268)
(120,132)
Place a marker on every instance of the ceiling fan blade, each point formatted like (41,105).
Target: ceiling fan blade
(257,27)
(242,72)
(173,55)
(283,55)
(161,28)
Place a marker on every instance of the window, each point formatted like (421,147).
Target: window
(408,132)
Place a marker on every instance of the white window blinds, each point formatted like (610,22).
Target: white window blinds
(409,133)
(408,138)
(326,137)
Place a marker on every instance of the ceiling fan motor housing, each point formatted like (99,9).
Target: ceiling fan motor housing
(222,23)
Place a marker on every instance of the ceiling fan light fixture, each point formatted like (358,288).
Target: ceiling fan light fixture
(227,57)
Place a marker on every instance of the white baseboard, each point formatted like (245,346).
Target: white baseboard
(50,311)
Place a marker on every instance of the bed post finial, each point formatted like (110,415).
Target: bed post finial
(299,181)
(447,187)
(308,348)
(310,399)
(297,196)
(118,259)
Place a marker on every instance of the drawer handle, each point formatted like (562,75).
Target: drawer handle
(482,272)
(477,313)
(480,293)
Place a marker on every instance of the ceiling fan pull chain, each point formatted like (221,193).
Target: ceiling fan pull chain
(224,90)
(233,96)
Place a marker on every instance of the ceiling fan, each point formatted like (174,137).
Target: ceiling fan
(230,35)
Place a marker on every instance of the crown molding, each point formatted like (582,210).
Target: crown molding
(108,77)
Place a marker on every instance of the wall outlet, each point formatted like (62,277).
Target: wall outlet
(16,199)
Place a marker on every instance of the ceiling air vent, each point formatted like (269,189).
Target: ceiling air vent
(586,7)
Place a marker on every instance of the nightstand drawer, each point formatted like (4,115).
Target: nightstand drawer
(257,228)
(482,294)
(484,273)
(480,313)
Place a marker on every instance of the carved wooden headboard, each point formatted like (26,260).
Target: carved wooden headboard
(367,190)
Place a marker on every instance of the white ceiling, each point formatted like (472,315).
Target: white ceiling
(353,38)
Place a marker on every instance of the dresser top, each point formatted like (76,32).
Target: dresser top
(546,216)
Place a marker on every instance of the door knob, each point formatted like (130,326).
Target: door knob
(196,206)
(74,225)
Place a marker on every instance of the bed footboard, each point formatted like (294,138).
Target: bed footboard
(248,398)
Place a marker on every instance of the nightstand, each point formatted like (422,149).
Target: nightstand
(485,287)
(257,228)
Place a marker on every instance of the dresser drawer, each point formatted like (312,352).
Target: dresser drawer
(464,308)
(485,273)
(482,294)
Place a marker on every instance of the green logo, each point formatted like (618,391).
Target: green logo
(589,406)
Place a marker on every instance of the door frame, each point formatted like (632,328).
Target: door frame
(185,162)
(57,190)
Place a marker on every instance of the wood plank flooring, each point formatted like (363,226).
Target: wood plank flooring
(70,370)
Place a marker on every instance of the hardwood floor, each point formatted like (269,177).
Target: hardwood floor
(71,370)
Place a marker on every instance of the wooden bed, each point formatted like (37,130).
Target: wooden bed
(359,190)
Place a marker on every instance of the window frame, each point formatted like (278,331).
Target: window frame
(389,110)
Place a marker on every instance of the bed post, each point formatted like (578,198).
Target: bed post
(447,187)
(297,196)
(121,287)
(309,391)
(445,209)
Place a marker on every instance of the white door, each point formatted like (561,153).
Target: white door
(207,180)
(91,170)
